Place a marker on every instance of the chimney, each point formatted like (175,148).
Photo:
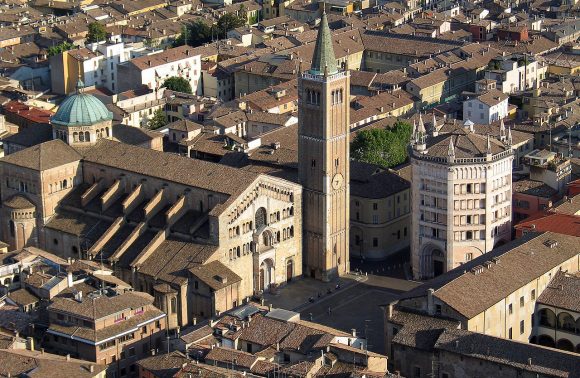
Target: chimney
(270,307)
(30,343)
(92,368)
(530,361)
(353,332)
(68,357)
(69,279)
(390,308)
(430,304)
(194,321)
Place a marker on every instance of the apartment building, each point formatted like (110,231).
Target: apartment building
(153,70)
(106,327)
(95,64)
(516,72)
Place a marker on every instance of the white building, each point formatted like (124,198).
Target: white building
(512,74)
(153,70)
(96,65)
(138,107)
(461,191)
(487,107)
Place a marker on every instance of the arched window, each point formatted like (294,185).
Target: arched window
(291,231)
(64,184)
(12,228)
(260,218)
(107,131)
(278,236)
(238,252)
(292,210)
(87,136)
(565,344)
(81,137)
(547,318)
(75,137)
(566,322)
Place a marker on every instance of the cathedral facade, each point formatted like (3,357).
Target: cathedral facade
(199,236)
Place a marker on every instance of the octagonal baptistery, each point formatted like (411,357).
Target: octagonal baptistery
(82,119)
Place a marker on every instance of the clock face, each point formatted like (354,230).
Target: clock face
(337,181)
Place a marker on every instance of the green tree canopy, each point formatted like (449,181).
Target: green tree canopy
(384,147)
(97,32)
(178,84)
(230,21)
(61,47)
(159,120)
(197,33)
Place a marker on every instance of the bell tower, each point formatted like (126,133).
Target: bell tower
(323,147)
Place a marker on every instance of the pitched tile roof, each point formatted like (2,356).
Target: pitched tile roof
(555,222)
(418,330)
(562,292)
(265,331)
(544,361)
(171,167)
(516,264)
(215,274)
(102,306)
(43,156)
(37,364)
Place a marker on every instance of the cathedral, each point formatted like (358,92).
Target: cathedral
(200,237)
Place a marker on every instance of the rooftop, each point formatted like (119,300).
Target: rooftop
(510,267)
(562,292)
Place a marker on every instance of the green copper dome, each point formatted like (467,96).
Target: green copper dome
(81,109)
(323,51)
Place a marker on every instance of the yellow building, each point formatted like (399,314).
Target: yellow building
(380,219)
(495,294)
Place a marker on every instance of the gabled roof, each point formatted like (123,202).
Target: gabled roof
(507,269)
(43,156)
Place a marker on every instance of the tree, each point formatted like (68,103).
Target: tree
(178,84)
(159,120)
(384,147)
(197,33)
(97,32)
(60,48)
(230,21)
